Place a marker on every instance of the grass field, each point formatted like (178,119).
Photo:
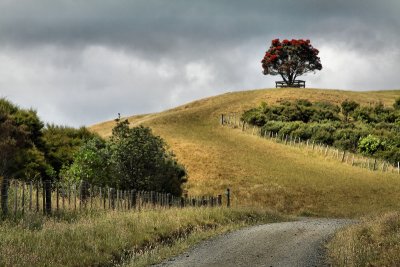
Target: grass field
(373,242)
(261,172)
(110,238)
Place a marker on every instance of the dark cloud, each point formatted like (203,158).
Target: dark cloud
(161,26)
(79,62)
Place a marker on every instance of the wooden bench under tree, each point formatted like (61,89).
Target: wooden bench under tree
(296,84)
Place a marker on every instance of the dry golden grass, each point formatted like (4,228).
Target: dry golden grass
(373,242)
(263,173)
(109,238)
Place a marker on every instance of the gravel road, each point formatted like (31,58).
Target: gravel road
(299,243)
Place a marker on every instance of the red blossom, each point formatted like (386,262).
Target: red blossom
(305,55)
(275,42)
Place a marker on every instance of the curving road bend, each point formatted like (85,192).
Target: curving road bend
(298,243)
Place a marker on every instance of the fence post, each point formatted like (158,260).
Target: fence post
(48,196)
(74,196)
(344,153)
(57,198)
(23,198)
(168,199)
(80,194)
(152,198)
(63,197)
(398,167)
(228,197)
(133,199)
(118,197)
(69,196)
(111,198)
(91,196)
(30,195)
(16,197)
(44,197)
(100,198)
(4,196)
(37,196)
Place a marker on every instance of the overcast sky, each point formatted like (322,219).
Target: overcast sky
(80,62)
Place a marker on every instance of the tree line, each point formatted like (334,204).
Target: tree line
(132,158)
(372,130)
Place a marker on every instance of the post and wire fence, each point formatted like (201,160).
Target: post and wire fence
(19,198)
(233,120)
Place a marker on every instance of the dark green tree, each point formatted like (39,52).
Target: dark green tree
(61,143)
(348,106)
(141,161)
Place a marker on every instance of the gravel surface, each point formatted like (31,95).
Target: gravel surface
(299,243)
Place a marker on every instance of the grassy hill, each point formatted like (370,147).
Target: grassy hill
(261,172)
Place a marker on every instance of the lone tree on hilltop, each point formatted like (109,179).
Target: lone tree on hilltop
(290,59)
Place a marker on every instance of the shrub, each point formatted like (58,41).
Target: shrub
(370,144)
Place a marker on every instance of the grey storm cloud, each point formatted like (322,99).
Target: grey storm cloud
(80,62)
(160,26)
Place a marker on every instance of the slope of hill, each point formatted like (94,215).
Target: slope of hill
(261,172)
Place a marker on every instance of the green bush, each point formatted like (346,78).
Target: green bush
(133,158)
(329,124)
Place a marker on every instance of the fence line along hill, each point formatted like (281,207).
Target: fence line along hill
(263,172)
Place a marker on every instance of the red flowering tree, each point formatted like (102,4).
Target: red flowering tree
(291,59)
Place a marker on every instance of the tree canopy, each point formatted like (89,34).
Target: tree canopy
(29,149)
(133,158)
(290,59)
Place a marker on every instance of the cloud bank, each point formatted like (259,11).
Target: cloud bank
(81,62)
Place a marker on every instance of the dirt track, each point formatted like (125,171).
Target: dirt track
(299,243)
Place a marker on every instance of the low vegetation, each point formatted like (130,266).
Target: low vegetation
(102,239)
(371,130)
(373,242)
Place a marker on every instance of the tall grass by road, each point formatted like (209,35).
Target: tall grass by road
(108,238)
(373,242)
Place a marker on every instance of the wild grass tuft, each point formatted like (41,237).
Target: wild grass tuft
(110,238)
(373,242)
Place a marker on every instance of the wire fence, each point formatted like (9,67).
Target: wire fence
(19,198)
(356,160)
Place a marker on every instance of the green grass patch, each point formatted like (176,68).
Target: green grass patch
(111,238)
